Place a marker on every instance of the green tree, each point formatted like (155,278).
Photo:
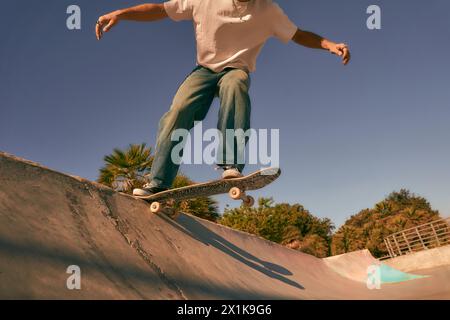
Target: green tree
(203,207)
(367,229)
(127,169)
(290,225)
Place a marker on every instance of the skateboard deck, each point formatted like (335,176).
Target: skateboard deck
(235,187)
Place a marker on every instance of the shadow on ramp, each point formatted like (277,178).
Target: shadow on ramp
(195,229)
(123,280)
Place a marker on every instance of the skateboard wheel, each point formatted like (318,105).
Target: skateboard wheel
(249,201)
(235,193)
(155,207)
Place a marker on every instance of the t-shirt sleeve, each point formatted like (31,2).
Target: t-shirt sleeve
(283,28)
(179,9)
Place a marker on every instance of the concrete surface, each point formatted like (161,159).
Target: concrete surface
(426,259)
(360,261)
(49,221)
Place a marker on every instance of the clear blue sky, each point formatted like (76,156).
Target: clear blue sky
(349,135)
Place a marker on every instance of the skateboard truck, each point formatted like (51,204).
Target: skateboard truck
(235,193)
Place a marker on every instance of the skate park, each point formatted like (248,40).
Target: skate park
(51,220)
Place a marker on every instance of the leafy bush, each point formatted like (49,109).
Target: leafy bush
(367,229)
(290,225)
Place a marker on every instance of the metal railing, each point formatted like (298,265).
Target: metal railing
(426,236)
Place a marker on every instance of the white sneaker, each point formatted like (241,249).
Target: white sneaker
(231,173)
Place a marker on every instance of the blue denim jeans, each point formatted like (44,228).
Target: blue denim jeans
(190,104)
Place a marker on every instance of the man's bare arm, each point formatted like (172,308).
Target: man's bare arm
(312,40)
(143,12)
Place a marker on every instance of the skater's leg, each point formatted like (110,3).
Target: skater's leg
(234,114)
(190,104)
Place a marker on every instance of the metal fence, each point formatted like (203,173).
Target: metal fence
(426,236)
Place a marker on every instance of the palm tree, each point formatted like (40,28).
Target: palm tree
(367,229)
(126,170)
(265,202)
(384,207)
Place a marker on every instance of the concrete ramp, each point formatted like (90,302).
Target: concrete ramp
(422,260)
(50,221)
(352,265)
(355,266)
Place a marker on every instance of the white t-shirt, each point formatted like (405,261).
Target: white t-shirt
(231,33)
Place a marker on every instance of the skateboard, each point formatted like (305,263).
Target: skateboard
(236,189)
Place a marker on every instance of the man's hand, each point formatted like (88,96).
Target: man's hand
(312,40)
(341,50)
(105,23)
